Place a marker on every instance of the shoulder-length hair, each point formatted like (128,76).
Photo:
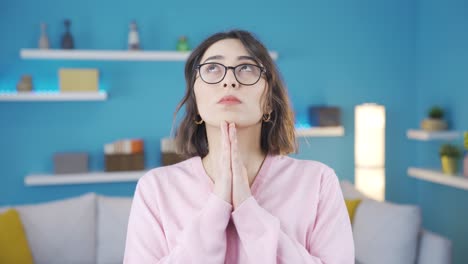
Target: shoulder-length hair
(277,135)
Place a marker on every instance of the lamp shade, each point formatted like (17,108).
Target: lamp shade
(369,150)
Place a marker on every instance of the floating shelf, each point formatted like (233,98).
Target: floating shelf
(337,131)
(426,136)
(54,96)
(436,176)
(83,178)
(117,55)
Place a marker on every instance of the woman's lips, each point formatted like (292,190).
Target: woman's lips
(229,100)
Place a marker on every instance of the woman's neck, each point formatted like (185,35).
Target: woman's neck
(250,152)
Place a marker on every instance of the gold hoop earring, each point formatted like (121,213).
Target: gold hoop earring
(266,117)
(198,122)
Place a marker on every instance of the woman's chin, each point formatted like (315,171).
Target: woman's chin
(239,123)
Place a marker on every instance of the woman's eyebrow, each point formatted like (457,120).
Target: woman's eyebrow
(216,57)
(246,58)
(220,57)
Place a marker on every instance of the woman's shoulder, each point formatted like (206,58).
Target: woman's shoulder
(181,168)
(307,171)
(312,166)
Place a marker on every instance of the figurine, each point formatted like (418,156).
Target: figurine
(133,38)
(25,84)
(44,39)
(67,39)
(182,44)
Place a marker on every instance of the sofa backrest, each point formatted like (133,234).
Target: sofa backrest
(112,221)
(384,232)
(61,231)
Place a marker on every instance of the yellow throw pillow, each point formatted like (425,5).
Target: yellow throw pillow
(352,205)
(14,246)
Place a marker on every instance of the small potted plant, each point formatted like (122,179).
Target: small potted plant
(435,122)
(449,155)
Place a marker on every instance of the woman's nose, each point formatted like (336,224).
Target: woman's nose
(230,80)
(233,85)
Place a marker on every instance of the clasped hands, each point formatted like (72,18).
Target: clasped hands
(231,182)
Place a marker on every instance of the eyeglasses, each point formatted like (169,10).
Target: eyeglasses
(246,74)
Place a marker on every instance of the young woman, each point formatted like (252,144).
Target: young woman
(238,198)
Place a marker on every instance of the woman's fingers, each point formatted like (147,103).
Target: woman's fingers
(234,149)
(226,149)
(240,183)
(223,182)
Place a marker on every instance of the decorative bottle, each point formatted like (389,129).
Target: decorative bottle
(133,37)
(67,38)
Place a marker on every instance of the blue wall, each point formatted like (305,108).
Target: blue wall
(406,55)
(331,52)
(442,79)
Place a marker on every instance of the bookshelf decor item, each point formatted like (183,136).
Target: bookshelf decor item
(25,84)
(133,37)
(182,44)
(67,38)
(449,155)
(44,39)
(125,155)
(435,120)
(324,116)
(66,163)
(168,152)
(78,80)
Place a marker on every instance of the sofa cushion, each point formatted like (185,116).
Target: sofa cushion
(61,231)
(352,205)
(14,246)
(434,249)
(386,233)
(112,222)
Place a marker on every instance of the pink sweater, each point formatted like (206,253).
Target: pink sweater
(296,214)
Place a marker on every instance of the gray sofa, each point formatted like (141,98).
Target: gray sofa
(92,229)
(387,233)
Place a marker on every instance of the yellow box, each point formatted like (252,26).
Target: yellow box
(78,80)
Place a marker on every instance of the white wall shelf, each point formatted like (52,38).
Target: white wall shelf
(337,131)
(116,55)
(436,176)
(426,135)
(54,96)
(83,178)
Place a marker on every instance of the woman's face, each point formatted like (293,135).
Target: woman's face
(229,100)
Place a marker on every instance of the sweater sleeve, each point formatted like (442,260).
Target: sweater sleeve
(203,240)
(330,240)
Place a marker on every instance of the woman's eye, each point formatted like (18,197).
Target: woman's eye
(212,68)
(246,68)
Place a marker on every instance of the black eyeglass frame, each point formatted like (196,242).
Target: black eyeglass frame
(233,68)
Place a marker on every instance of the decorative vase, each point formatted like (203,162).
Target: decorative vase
(449,165)
(44,39)
(25,84)
(67,38)
(433,124)
(133,37)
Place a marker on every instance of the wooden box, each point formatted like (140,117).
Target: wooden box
(78,80)
(125,162)
(324,116)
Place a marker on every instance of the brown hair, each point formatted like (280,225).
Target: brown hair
(277,135)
